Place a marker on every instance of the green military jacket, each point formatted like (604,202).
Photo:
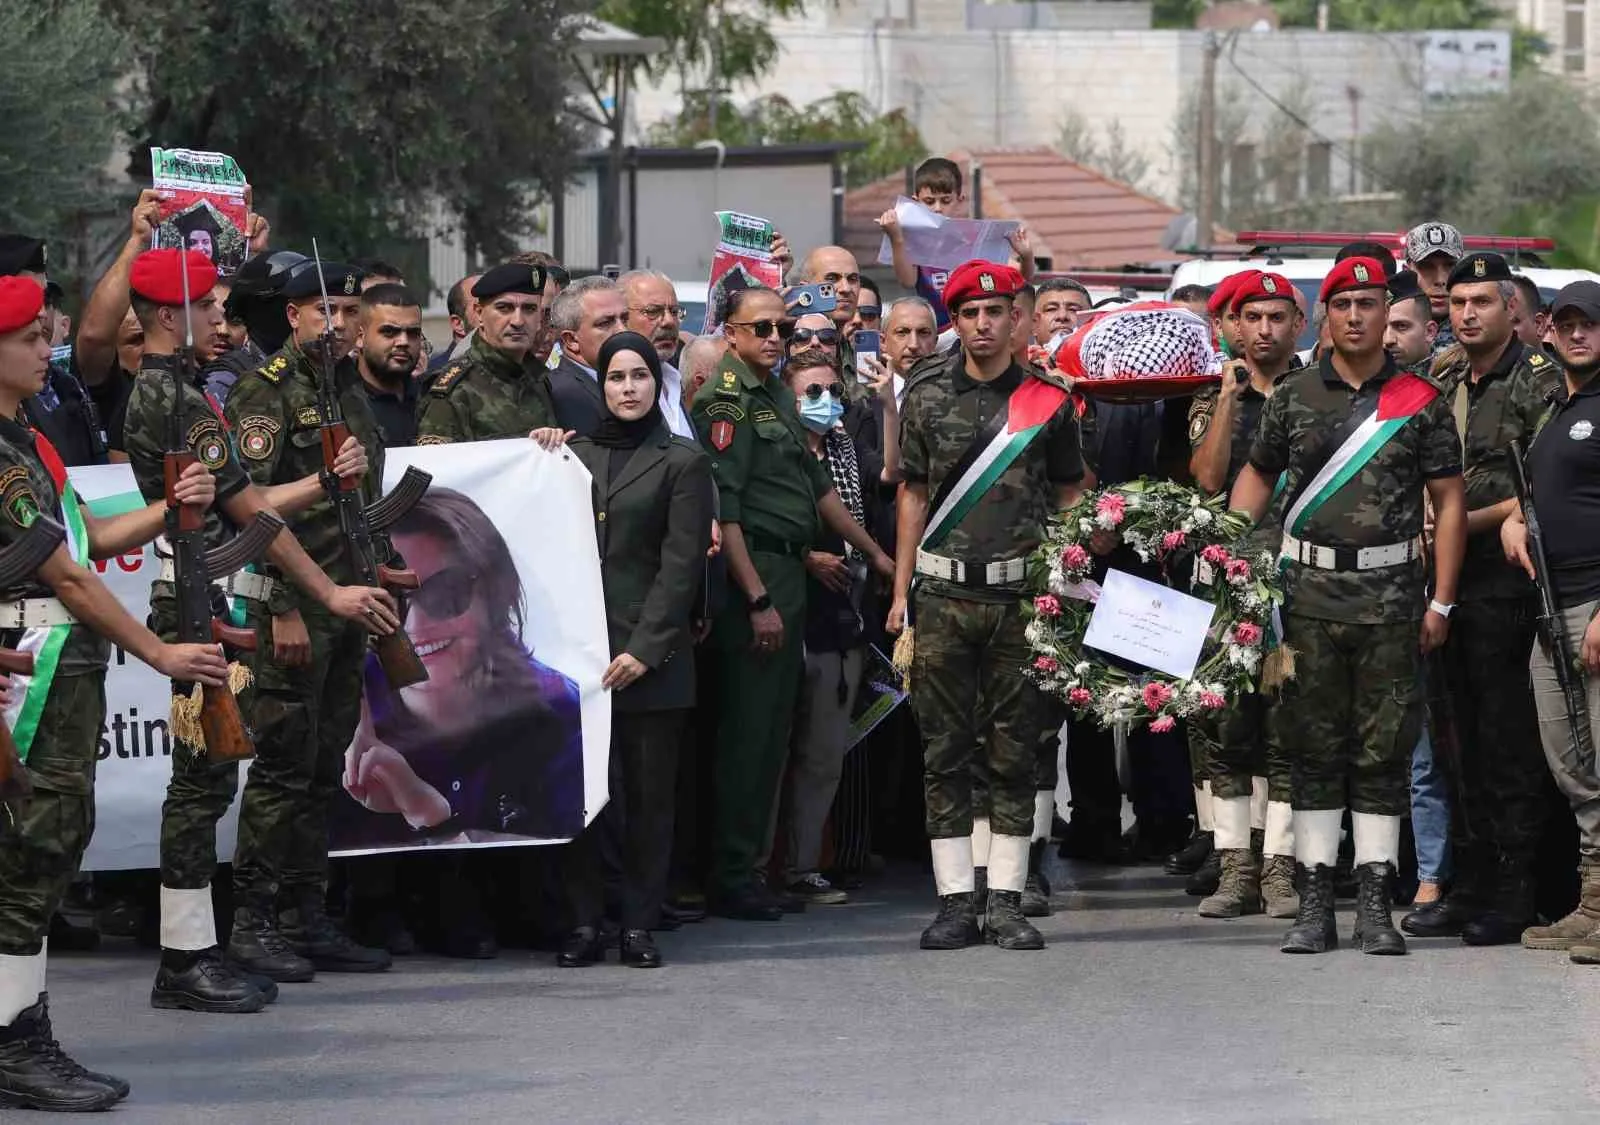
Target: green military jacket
(199,428)
(1381,504)
(942,412)
(26,489)
(275,414)
(768,481)
(485,394)
(1502,406)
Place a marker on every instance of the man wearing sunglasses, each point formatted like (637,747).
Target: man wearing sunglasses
(869,310)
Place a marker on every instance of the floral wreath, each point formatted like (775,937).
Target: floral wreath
(1160,521)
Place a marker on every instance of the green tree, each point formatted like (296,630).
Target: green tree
(1393,15)
(1111,153)
(356,120)
(58,89)
(1179,14)
(708,46)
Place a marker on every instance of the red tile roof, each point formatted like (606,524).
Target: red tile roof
(1075,215)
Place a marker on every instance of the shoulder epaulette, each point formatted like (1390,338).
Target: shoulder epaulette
(447,379)
(272,371)
(1537,358)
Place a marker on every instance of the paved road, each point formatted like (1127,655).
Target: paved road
(1136,1012)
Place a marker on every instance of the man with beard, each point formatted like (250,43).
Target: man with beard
(1411,331)
(1256,846)
(386,356)
(654,313)
(1057,307)
(1361,443)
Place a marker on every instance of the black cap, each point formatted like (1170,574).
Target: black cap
(1403,286)
(1581,295)
(20,253)
(513,277)
(342,281)
(264,274)
(1480,265)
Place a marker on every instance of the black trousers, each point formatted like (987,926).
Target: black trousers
(644,777)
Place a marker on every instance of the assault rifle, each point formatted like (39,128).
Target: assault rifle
(1551,622)
(194,567)
(358,520)
(18,563)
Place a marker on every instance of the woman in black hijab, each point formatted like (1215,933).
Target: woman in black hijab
(652,512)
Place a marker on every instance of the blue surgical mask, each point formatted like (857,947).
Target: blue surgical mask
(820,413)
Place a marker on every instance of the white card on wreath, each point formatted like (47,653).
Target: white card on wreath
(1149,624)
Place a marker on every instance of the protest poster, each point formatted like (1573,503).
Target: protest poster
(943,242)
(203,205)
(882,690)
(742,260)
(505,744)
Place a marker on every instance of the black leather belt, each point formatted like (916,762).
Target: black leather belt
(770,545)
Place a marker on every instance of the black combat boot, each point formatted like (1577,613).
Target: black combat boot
(1374,931)
(1314,930)
(312,934)
(956,925)
(200,981)
(1036,890)
(1187,859)
(258,948)
(1206,878)
(1005,926)
(1511,907)
(35,1073)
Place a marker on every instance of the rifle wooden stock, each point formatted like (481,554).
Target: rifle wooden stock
(14,782)
(221,722)
(398,658)
(391,579)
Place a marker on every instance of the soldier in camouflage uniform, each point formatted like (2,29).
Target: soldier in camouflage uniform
(967,676)
(1257,852)
(1499,389)
(498,389)
(308,662)
(62,708)
(1360,442)
(193,974)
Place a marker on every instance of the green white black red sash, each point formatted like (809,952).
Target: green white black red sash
(993,450)
(28,693)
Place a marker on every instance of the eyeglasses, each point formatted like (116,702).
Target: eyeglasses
(446,593)
(761,329)
(820,335)
(814,391)
(656,312)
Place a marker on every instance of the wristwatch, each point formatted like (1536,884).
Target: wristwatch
(764,602)
(1440,608)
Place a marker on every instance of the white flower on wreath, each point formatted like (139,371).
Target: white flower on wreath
(1246,658)
(1202,517)
(1086,526)
(1081,668)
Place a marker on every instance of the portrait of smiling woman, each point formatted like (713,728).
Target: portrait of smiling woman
(490,745)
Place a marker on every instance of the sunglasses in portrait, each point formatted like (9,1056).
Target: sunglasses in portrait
(820,335)
(814,391)
(446,593)
(761,329)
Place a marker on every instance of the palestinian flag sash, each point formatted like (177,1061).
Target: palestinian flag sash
(28,693)
(993,450)
(1401,399)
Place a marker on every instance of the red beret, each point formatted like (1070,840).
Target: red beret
(1222,296)
(1353,273)
(979,278)
(1262,287)
(155,275)
(21,298)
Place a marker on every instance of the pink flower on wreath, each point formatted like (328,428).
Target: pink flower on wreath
(1156,695)
(1163,724)
(1079,697)
(1075,558)
(1247,634)
(1046,664)
(1112,507)
(1172,540)
(1211,701)
(1046,605)
(1238,570)
(1216,555)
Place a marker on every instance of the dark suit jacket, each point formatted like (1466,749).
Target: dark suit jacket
(580,403)
(653,526)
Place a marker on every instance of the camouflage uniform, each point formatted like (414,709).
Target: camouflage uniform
(1353,712)
(967,682)
(304,717)
(200,790)
(485,394)
(769,484)
(1498,766)
(40,855)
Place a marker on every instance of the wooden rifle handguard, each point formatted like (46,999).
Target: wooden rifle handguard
(392,579)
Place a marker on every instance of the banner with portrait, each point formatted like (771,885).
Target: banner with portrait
(506,743)
(204,205)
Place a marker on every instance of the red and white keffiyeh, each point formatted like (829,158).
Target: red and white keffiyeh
(1144,340)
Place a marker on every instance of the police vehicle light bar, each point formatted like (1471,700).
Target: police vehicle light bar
(1387,238)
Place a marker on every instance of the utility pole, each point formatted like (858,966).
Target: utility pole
(1207,207)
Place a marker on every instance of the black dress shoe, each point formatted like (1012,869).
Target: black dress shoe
(747,904)
(581,948)
(639,950)
(1187,859)
(681,914)
(1206,878)
(1445,917)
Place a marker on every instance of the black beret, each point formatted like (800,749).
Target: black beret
(1404,285)
(19,253)
(513,277)
(342,281)
(1480,265)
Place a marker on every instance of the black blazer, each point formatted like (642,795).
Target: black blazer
(653,527)
(580,403)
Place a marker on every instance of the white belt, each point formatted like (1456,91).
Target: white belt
(240,584)
(1366,558)
(35,613)
(1006,572)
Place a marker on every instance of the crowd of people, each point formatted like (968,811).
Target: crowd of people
(771,505)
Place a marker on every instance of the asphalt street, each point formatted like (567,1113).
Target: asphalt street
(1137,1011)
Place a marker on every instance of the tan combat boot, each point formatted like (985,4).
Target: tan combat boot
(1277,887)
(1575,927)
(1239,891)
